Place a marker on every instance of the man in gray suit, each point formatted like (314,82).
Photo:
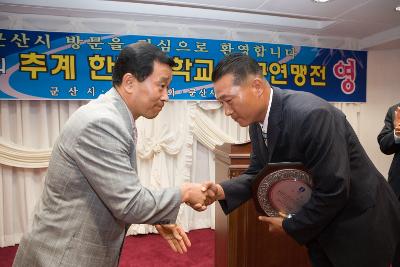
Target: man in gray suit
(352,217)
(92,192)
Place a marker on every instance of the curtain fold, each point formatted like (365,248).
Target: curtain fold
(21,157)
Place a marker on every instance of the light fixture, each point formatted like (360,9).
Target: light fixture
(397,8)
(320,1)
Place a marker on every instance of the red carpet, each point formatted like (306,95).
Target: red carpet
(7,256)
(152,250)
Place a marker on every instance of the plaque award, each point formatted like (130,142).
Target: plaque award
(281,189)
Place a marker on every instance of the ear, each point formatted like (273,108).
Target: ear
(258,86)
(128,82)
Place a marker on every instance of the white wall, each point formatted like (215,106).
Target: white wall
(383,91)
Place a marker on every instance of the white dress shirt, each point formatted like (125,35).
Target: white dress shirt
(264,125)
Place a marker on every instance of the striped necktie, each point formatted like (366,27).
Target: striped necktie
(264,135)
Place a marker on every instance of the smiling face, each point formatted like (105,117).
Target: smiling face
(147,98)
(152,92)
(246,102)
(141,75)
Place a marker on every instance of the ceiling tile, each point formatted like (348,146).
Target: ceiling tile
(353,29)
(248,4)
(377,11)
(308,8)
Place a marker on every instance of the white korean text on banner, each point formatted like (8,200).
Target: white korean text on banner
(38,65)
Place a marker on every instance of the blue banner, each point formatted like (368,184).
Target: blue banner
(38,65)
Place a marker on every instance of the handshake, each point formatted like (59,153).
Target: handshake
(199,196)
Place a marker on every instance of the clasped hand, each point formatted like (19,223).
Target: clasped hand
(199,196)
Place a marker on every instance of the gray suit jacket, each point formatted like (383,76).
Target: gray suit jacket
(92,192)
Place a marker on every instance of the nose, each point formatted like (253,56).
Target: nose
(164,96)
(227,109)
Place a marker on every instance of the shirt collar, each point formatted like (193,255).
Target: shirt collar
(115,92)
(264,125)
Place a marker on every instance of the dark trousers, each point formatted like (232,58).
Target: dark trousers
(396,259)
(317,256)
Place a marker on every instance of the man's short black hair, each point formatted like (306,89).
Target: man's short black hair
(240,65)
(138,59)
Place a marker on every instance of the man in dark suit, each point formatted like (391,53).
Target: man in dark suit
(353,217)
(389,142)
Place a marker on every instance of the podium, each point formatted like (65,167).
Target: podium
(241,240)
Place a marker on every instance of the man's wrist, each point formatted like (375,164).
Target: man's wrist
(220,192)
(184,192)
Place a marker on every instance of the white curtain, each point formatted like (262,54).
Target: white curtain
(175,147)
(169,153)
(27,131)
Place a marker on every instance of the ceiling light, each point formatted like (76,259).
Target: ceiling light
(397,8)
(320,1)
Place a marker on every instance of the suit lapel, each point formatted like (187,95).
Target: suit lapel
(123,109)
(127,117)
(274,121)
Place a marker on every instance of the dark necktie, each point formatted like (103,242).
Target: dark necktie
(264,135)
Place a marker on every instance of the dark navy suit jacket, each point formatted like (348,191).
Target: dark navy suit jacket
(388,146)
(353,214)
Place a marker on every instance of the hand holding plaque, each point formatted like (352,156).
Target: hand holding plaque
(281,189)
